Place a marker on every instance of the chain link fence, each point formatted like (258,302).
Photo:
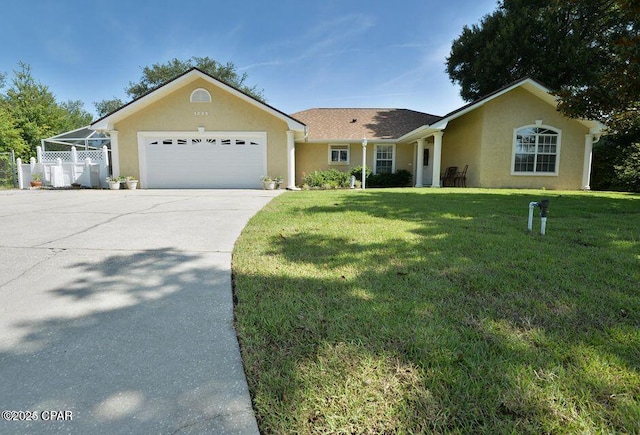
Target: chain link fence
(8,174)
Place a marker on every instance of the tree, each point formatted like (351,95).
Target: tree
(613,96)
(105,107)
(10,138)
(74,115)
(616,164)
(34,114)
(586,51)
(550,41)
(160,73)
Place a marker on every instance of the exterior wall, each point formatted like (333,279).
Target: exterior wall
(225,112)
(405,155)
(462,145)
(516,109)
(315,157)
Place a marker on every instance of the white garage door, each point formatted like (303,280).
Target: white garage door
(213,160)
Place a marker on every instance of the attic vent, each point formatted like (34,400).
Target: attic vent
(200,96)
(354,120)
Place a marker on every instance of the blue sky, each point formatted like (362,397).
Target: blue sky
(303,53)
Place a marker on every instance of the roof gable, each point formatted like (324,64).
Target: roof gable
(349,124)
(531,85)
(107,122)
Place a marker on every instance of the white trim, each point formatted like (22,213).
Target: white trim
(558,148)
(200,90)
(108,122)
(339,146)
(375,156)
(528,84)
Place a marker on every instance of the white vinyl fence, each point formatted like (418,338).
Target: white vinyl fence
(64,168)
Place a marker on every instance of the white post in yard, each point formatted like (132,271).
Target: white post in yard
(419,162)
(530,220)
(364,162)
(20,174)
(74,160)
(39,153)
(105,155)
(87,172)
(56,174)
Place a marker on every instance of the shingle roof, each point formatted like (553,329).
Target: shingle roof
(355,124)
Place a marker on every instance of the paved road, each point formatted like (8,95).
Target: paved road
(116,306)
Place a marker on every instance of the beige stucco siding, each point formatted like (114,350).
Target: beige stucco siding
(462,145)
(405,154)
(520,108)
(315,157)
(225,112)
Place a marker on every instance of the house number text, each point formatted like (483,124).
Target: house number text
(201,113)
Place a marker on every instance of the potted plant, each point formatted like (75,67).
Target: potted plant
(279,181)
(114,182)
(131,182)
(268,183)
(36,179)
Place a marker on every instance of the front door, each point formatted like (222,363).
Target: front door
(427,168)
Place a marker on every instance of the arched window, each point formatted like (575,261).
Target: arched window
(536,150)
(200,96)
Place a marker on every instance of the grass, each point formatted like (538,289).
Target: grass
(412,311)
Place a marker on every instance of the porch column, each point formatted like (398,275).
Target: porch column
(586,168)
(420,162)
(115,157)
(437,155)
(291,160)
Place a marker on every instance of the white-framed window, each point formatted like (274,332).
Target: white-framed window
(536,150)
(339,154)
(385,159)
(200,95)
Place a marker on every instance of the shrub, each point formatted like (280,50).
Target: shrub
(335,179)
(329,179)
(357,172)
(400,178)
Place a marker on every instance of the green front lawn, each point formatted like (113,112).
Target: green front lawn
(424,310)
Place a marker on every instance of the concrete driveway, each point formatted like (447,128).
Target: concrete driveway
(116,313)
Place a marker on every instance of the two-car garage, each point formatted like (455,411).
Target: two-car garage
(200,133)
(202,160)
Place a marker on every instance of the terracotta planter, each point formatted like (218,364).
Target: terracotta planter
(36,184)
